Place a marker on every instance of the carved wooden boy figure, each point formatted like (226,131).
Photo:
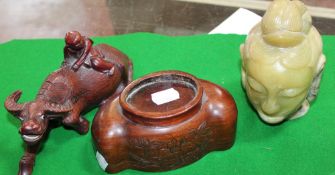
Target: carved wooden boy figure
(80,47)
(69,91)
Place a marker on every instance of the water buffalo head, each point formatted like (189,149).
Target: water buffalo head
(34,116)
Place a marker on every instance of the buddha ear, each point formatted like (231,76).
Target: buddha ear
(243,65)
(321,64)
(314,90)
(242,53)
(241,49)
(244,78)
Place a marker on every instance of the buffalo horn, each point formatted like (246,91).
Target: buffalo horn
(11,103)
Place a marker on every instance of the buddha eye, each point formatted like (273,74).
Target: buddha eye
(256,86)
(292,92)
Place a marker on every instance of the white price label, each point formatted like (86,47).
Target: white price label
(165,96)
(102,161)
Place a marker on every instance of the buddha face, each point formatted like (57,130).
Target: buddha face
(275,91)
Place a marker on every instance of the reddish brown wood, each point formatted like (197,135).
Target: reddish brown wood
(131,132)
(68,92)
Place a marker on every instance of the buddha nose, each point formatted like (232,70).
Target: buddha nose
(270,106)
(30,127)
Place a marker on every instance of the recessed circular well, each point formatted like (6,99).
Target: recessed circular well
(139,96)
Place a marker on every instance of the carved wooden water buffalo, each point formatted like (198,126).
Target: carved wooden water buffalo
(88,76)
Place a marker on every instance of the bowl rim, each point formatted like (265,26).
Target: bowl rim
(161,115)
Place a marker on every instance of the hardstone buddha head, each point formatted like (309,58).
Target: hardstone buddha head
(281,62)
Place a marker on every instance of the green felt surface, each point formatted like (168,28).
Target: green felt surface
(302,146)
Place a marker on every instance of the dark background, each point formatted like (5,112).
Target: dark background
(53,18)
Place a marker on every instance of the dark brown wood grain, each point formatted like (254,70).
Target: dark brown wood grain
(130,135)
(68,92)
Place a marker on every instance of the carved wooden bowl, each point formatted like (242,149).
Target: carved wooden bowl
(163,121)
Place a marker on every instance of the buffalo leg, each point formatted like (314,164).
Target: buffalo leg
(74,120)
(27,161)
(83,126)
